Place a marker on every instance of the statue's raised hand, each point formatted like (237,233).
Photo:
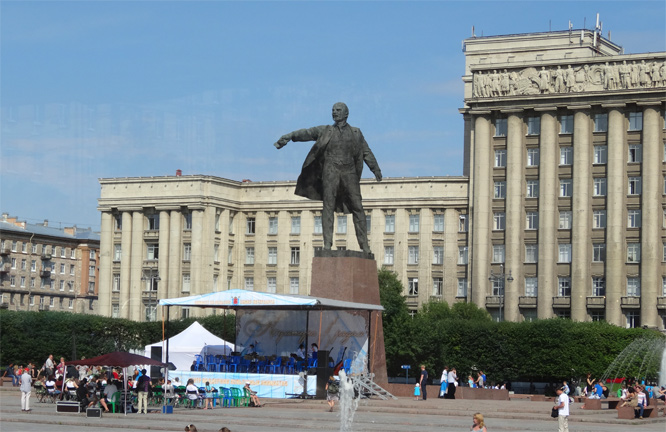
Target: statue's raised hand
(282,142)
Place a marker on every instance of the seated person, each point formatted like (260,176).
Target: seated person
(300,353)
(254,400)
(192,392)
(108,393)
(71,386)
(82,395)
(51,387)
(169,391)
(662,393)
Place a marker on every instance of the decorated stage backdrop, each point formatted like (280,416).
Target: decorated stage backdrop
(281,332)
(266,385)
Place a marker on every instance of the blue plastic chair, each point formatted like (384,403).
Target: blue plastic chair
(199,361)
(312,363)
(226,399)
(275,365)
(290,366)
(245,365)
(234,363)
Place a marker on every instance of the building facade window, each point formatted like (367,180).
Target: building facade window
(532,189)
(499,221)
(438,255)
(272,255)
(295,255)
(636,121)
(633,319)
(498,254)
(462,287)
(566,124)
(437,286)
(633,287)
(463,225)
(152,251)
(389,223)
(599,219)
(388,255)
(317,225)
(462,255)
(500,127)
(599,186)
(342,224)
(500,158)
(566,155)
(413,286)
(564,253)
(566,188)
(272,225)
(153,222)
(633,252)
(531,289)
(413,252)
(116,283)
(532,157)
(500,190)
(414,222)
(600,154)
(187,251)
(601,122)
(296,225)
(531,220)
(531,253)
(271,284)
(187,220)
(633,218)
(634,186)
(293,285)
(635,153)
(598,252)
(186,282)
(249,255)
(250,225)
(368,223)
(438,222)
(565,219)
(564,286)
(249,283)
(598,286)
(533,125)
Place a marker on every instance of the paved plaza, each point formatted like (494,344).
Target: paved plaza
(279,415)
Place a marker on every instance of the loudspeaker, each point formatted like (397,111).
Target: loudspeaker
(68,406)
(94,412)
(156,354)
(323,372)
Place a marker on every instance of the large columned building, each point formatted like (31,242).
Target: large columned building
(564,139)
(560,212)
(173,236)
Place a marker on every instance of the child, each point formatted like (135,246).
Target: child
(417,391)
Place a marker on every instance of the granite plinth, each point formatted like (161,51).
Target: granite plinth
(349,277)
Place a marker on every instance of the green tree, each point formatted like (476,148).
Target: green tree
(397,323)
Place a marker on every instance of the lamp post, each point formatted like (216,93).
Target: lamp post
(500,277)
(153,277)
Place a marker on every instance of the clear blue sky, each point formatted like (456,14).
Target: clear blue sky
(94,89)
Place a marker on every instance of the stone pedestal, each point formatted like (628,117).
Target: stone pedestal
(348,276)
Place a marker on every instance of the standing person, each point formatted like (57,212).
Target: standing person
(26,389)
(332,392)
(143,388)
(451,389)
(562,411)
(49,366)
(332,171)
(417,391)
(60,369)
(443,382)
(477,423)
(424,382)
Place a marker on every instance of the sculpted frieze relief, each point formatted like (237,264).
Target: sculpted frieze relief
(570,79)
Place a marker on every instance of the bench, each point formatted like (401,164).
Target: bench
(592,404)
(628,412)
(613,403)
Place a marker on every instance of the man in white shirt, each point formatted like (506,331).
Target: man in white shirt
(562,411)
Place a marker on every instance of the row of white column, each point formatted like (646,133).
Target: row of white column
(651,202)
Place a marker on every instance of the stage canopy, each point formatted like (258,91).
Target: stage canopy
(240,299)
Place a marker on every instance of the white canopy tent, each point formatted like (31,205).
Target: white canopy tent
(186,344)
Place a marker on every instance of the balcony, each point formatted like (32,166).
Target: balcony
(527,302)
(562,302)
(45,273)
(494,301)
(46,256)
(5,267)
(5,250)
(412,301)
(436,298)
(631,302)
(661,302)
(596,302)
